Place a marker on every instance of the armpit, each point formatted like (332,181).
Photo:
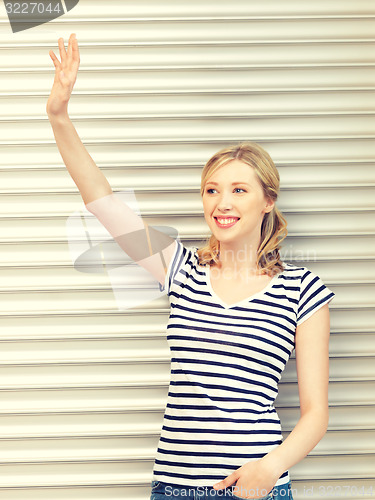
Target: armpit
(144,243)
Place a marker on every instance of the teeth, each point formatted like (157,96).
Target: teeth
(226,221)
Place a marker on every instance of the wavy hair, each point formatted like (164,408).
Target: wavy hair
(274,225)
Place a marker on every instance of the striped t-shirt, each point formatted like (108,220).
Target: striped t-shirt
(226,362)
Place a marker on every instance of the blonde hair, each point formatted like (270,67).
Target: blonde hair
(274,225)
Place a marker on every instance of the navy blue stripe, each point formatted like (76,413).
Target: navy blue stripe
(209,442)
(225,365)
(311,297)
(180,255)
(193,430)
(187,476)
(281,296)
(215,408)
(248,310)
(221,375)
(314,306)
(271,303)
(286,288)
(304,288)
(190,384)
(234,333)
(204,466)
(289,278)
(222,420)
(227,399)
(231,354)
(231,316)
(194,291)
(224,342)
(213,477)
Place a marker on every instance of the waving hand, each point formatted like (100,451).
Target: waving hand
(65,76)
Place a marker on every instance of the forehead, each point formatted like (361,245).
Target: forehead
(234,171)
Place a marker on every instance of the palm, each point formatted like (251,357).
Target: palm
(65,75)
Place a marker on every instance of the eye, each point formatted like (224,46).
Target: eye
(209,190)
(241,189)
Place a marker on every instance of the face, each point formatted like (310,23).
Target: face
(234,212)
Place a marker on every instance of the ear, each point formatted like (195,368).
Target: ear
(270,204)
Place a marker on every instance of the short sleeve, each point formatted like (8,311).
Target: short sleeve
(177,261)
(314,294)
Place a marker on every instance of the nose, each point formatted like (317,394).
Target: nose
(225,202)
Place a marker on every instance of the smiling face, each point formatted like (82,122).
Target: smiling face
(234,205)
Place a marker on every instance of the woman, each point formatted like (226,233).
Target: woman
(237,313)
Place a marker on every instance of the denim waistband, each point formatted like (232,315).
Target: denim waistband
(166,491)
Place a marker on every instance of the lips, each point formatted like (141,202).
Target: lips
(225,222)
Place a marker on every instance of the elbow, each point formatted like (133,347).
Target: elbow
(319,419)
(97,203)
(322,420)
(324,427)
(88,207)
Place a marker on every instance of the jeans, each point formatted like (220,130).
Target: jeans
(166,491)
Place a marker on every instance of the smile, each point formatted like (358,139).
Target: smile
(226,221)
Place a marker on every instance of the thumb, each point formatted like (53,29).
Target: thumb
(229,480)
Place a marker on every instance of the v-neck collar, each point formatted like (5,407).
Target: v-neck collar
(243,301)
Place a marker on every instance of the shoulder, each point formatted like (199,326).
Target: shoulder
(191,251)
(183,263)
(300,277)
(186,256)
(294,271)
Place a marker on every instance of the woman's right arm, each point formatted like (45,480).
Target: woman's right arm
(91,182)
(141,243)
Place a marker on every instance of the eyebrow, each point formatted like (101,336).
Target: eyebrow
(233,183)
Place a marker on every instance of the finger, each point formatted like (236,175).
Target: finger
(62,50)
(70,46)
(75,50)
(227,481)
(55,61)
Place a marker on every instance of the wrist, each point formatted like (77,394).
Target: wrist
(59,118)
(273,462)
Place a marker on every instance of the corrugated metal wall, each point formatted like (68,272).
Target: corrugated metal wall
(162,86)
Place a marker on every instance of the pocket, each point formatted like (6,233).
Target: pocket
(290,496)
(155,485)
(283,492)
(267,497)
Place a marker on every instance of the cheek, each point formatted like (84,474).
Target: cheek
(207,212)
(207,207)
(207,215)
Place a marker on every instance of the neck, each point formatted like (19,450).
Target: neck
(237,258)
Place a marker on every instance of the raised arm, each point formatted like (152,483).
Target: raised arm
(148,247)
